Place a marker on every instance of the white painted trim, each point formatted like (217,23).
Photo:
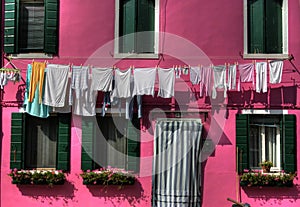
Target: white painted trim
(263,111)
(284,54)
(156,35)
(31,56)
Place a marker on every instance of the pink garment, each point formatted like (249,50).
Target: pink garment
(246,74)
(206,81)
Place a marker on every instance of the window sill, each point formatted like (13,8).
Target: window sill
(135,56)
(267,56)
(31,56)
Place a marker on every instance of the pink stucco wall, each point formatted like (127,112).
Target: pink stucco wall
(216,29)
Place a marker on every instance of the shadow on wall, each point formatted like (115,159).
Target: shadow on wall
(265,194)
(47,194)
(116,194)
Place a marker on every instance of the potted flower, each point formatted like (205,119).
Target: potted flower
(266,166)
(38,177)
(257,178)
(109,176)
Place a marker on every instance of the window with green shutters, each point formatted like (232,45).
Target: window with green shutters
(110,141)
(266,22)
(135,26)
(266,137)
(31,26)
(40,142)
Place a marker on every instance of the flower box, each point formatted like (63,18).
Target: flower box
(37,177)
(111,176)
(258,178)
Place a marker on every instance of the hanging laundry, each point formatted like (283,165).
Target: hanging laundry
(106,102)
(219,73)
(178,72)
(232,77)
(275,69)
(67,107)
(246,74)
(37,78)
(166,82)
(122,84)
(85,103)
(261,77)
(129,107)
(144,80)
(206,81)
(56,83)
(79,82)
(3,79)
(34,108)
(102,79)
(195,75)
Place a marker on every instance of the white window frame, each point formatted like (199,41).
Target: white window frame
(154,55)
(284,54)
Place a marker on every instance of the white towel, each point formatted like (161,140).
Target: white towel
(195,75)
(122,84)
(144,80)
(275,68)
(166,82)
(246,74)
(102,79)
(56,83)
(79,82)
(219,80)
(261,77)
(231,77)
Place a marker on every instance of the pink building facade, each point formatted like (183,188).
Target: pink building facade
(191,33)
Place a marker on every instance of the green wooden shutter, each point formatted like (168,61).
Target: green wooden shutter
(87,162)
(273,27)
(17,141)
(10,26)
(289,124)
(133,144)
(145,22)
(256,26)
(127,27)
(242,141)
(63,142)
(51,26)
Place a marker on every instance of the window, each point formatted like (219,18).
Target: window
(31,26)
(136,28)
(40,142)
(265,32)
(110,141)
(261,137)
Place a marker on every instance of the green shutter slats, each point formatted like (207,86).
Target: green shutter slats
(64,139)
(256,26)
(242,141)
(289,123)
(273,27)
(10,16)
(133,145)
(87,137)
(51,26)
(145,18)
(127,26)
(17,140)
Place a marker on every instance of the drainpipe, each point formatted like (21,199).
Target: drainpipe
(1,92)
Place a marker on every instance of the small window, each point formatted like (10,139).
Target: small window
(110,141)
(40,142)
(261,137)
(265,28)
(265,141)
(136,24)
(31,28)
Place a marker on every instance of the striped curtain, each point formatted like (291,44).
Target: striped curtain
(176,164)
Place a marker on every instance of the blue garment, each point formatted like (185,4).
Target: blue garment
(106,102)
(129,107)
(34,108)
